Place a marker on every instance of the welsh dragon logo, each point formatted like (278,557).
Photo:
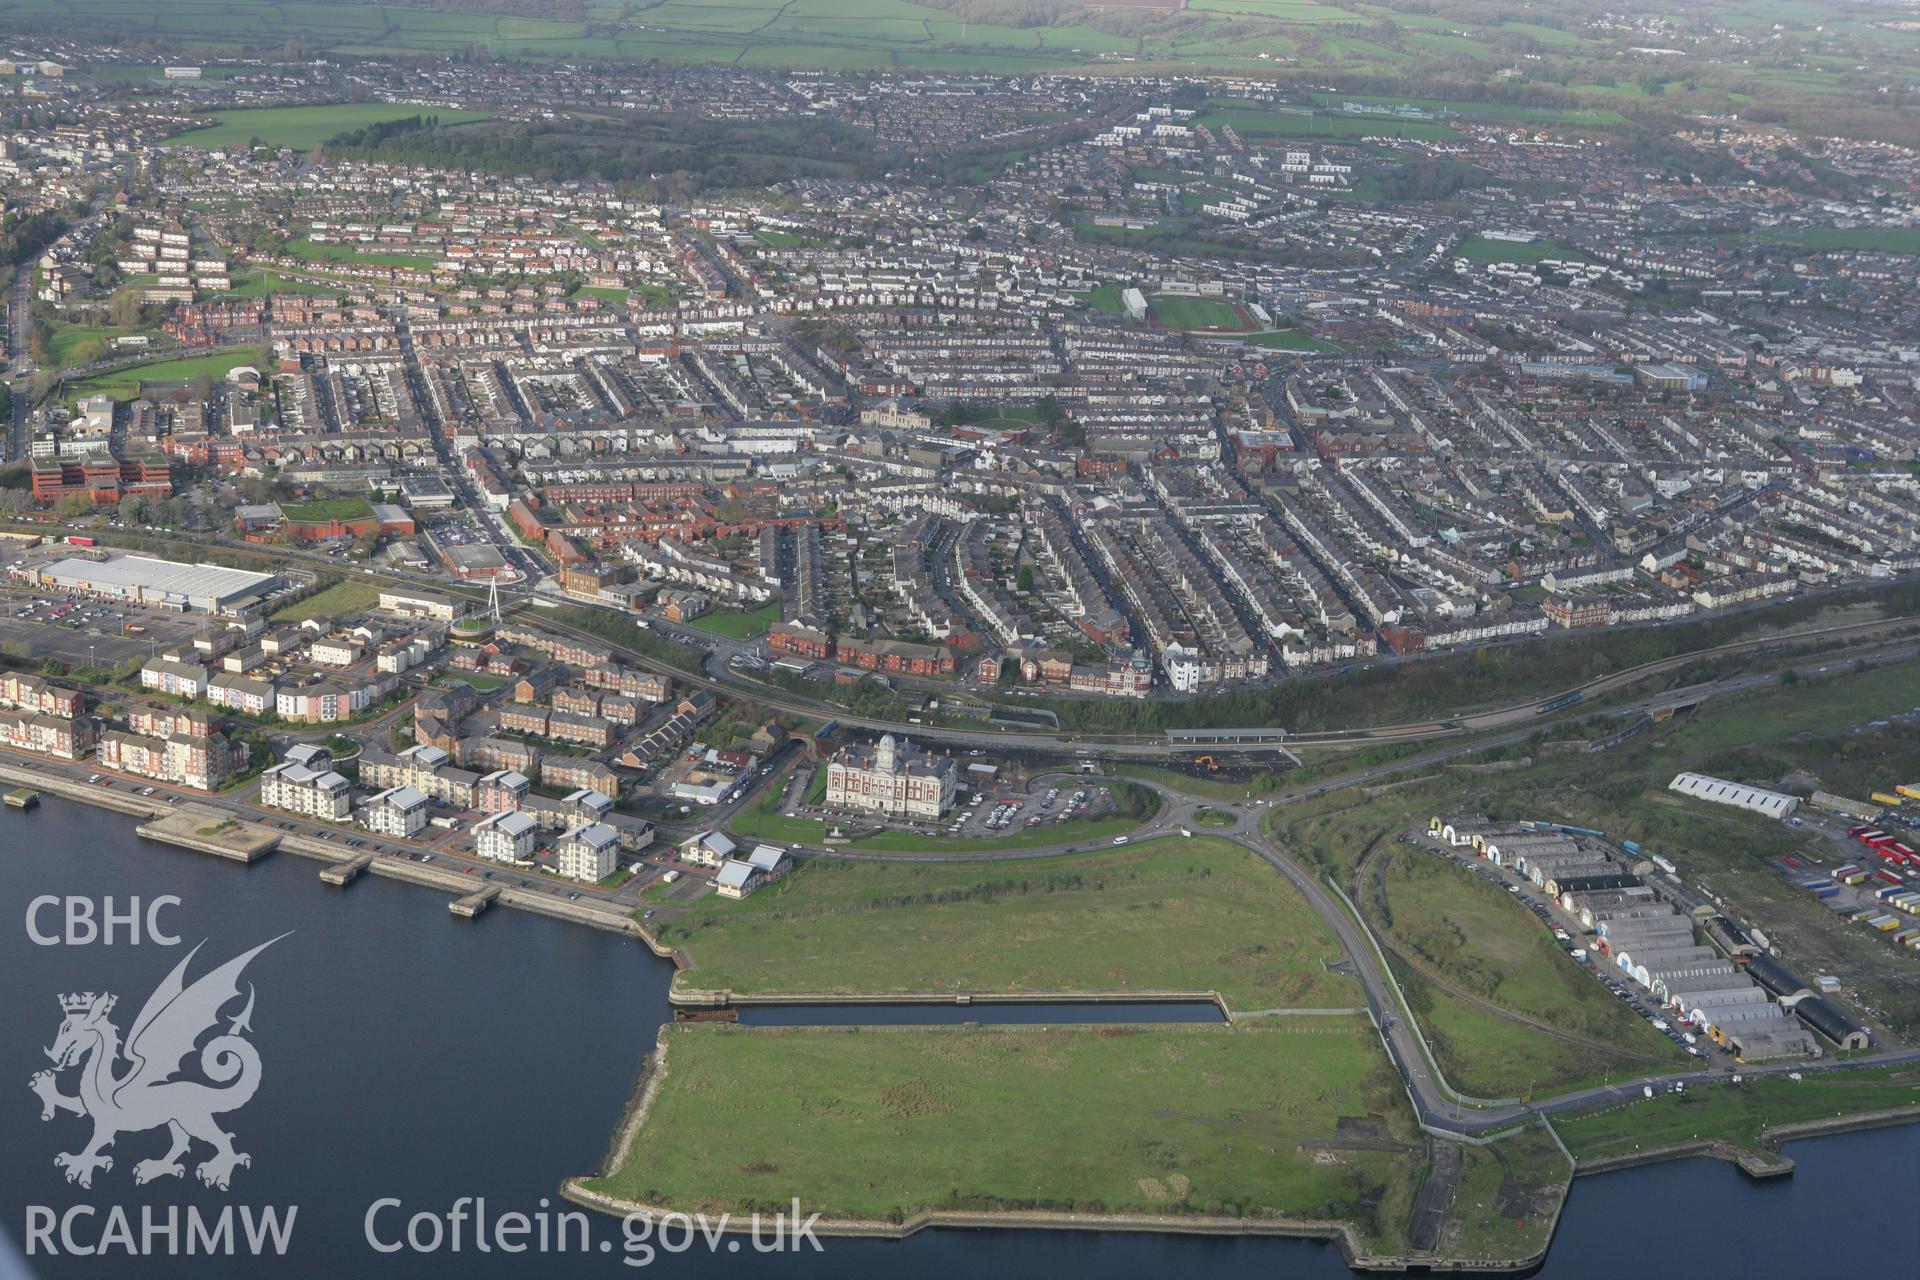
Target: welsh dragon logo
(145,1095)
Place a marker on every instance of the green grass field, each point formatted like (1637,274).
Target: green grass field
(65,343)
(1177,914)
(619,297)
(738,624)
(1483,940)
(1105,300)
(310,250)
(1731,1113)
(342,599)
(879,1123)
(322,510)
(1290,340)
(1904,240)
(124,384)
(784,239)
(1174,311)
(1487,110)
(303,128)
(1475,939)
(1301,123)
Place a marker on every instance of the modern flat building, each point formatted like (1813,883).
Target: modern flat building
(305,783)
(397,811)
(67,737)
(200,761)
(588,852)
(891,778)
(505,837)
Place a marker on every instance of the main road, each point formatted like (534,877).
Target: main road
(19,329)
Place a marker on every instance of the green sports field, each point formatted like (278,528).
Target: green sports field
(327,251)
(325,509)
(124,384)
(1177,311)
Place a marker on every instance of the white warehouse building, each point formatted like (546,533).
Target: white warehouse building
(1701,787)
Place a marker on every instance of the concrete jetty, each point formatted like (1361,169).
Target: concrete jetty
(206,829)
(344,873)
(21,798)
(474,903)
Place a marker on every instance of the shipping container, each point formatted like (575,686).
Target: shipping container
(1832,891)
(1911,791)
(1881,797)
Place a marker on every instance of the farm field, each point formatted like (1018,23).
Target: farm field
(878,1123)
(303,128)
(1224,35)
(1172,915)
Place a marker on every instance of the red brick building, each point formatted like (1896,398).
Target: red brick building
(801,642)
(103,479)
